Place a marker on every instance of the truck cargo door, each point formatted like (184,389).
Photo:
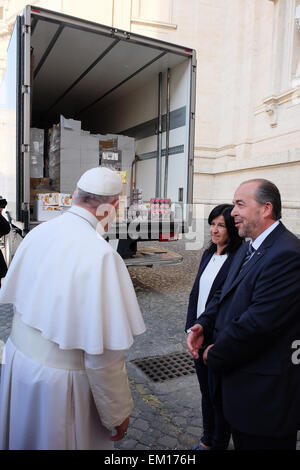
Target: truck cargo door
(10,109)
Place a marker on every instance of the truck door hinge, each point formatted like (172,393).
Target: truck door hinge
(25,206)
(26,29)
(25,148)
(25,89)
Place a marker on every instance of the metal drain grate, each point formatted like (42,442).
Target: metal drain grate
(171,366)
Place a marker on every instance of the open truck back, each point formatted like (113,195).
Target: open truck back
(106,93)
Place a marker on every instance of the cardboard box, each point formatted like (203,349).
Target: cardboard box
(108,144)
(37,186)
(65,200)
(89,142)
(42,212)
(70,124)
(49,205)
(89,158)
(48,199)
(70,140)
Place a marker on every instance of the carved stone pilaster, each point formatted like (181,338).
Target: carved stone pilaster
(271,110)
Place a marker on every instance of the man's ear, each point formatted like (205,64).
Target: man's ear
(268,210)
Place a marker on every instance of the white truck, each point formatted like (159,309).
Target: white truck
(115,84)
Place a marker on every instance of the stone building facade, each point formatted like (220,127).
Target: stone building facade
(248,83)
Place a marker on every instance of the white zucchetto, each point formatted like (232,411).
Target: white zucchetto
(101,181)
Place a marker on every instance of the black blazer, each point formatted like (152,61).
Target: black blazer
(254,325)
(4,230)
(217,284)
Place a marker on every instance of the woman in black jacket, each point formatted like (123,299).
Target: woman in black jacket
(213,269)
(4,230)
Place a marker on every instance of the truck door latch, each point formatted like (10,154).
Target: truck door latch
(25,148)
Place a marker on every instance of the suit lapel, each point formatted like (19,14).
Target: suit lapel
(235,267)
(258,255)
(235,275)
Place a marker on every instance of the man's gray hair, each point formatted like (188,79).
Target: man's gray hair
(93,201)
(267,192)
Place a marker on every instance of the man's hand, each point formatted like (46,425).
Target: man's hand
(194,340)
(121,431)
(205,353)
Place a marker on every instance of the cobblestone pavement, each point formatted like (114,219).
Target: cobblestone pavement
(167,415)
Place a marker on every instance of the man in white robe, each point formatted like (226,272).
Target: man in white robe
(64,383)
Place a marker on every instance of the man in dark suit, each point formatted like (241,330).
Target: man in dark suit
(4,230)
(255,323)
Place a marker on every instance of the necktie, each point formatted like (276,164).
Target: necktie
(249,253)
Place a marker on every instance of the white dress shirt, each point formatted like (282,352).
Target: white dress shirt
(207,278)
(258,241)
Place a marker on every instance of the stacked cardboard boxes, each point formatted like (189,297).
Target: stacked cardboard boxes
(72,151)
(49,205)
(38,186)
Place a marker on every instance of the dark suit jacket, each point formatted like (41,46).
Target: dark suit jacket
(254,325)
(217,284)
(4,230)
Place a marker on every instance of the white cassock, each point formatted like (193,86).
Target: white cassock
(64,383)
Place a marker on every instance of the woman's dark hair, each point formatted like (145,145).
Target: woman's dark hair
(234,240)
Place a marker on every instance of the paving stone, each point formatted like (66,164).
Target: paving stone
(185,413)
(133,433)
(196,422)
(135,412)
(186,441)
(141,447)
(141,424)
(195,431)
(128,444)
(168,442)
(156,433)
(149,439)
(179,421)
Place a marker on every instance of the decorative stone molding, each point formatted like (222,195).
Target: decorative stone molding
(253,162)
(271,104)
(160,15)
(271,110)
(215,152)
(285,97)
(156,24)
